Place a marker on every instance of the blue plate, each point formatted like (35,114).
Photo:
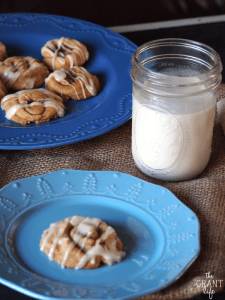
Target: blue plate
(159,233)
(110,59)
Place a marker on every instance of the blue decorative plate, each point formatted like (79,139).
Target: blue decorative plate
(159,233)
(110,59)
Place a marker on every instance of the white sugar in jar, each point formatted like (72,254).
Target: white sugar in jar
(175,83)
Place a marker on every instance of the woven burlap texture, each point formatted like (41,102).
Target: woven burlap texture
(112,151)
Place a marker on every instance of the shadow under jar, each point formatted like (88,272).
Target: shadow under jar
(175,83)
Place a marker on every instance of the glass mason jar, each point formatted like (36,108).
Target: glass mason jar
(175,82)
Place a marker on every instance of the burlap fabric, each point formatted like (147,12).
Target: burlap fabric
(112,151)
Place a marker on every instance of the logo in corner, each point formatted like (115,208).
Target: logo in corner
(209,284)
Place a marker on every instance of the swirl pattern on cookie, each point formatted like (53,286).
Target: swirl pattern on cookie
(81,243)
(64,53)
(3,53)
(37,105)
(21,73)
(76,83)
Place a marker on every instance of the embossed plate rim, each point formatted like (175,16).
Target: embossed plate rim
(99,119)
(162,205)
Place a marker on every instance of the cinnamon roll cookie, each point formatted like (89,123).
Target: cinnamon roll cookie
(3,53)
(37,105)
(81,243)
(20,73)
(76,83)
(64,53)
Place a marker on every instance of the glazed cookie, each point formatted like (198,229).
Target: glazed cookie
(64,53)
(21,73)
(38,105)
(81,243)
(3,53)
(76,83)
(3,90)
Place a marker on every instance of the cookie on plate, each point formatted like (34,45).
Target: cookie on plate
(81,243)
(64,53)
(37,105)
(75,83)
(22,72)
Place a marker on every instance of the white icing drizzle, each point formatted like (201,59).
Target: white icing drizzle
(111,255)
(56,239)
(13,110)
(45,102)
(85,228)
(59,75)
(9,77)
(83,243)
(63,240)
(92,221)
(13,72)
(76,237)
(108,231)
(92,260)
(55,52)
(29,83)
(17,94)
(75,220)
(48,233)
(70,248)
(84,78)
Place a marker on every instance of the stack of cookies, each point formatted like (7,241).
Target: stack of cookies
(62,73)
